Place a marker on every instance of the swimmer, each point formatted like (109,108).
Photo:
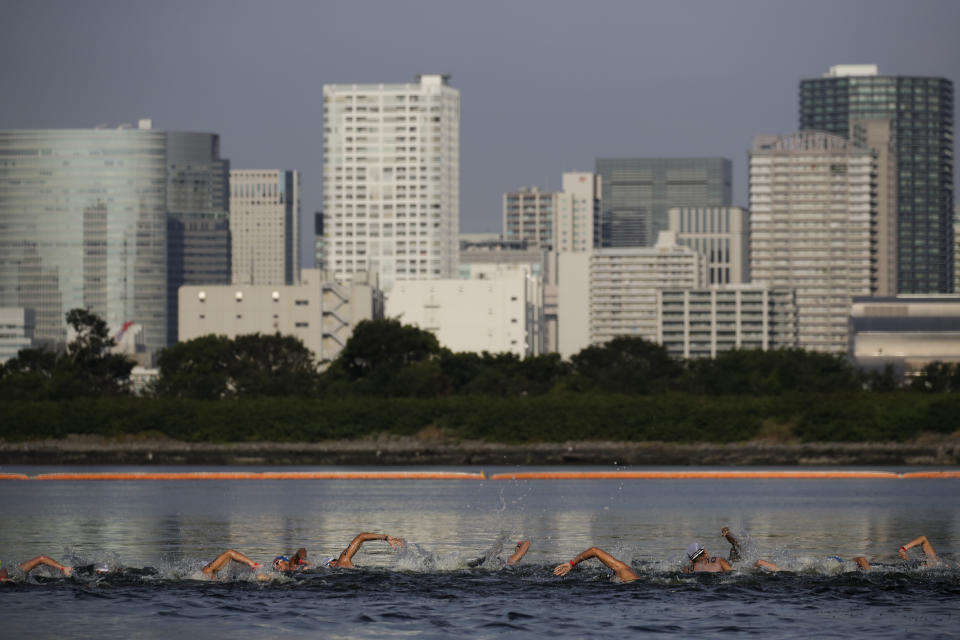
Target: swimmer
(344,561)
(31,564)
(621,571)
(296,562)
(518,552)
(700,560)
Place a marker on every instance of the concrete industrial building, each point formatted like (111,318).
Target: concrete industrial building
(813,228)
(921,114)
(528,215)
(264,226)
(575,226)
(722,234)
(83,213)
(319,311)
(613,292)
(500,311)
(905,331)
(638,192)
(198,216)
(391,179)
(700,323)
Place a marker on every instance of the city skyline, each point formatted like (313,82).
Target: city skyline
(547,87)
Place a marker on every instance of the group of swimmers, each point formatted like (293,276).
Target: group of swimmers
(699,559)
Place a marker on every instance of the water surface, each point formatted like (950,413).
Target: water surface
(427,590)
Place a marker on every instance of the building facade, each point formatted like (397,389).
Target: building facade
(83,213)
(575,226)
(501,311)
(264,226)
(813,228)
(722,234)
(318,310)
(528,215)
(198,216)
(613,292)
(700,323)
(391,179)
(638,192)
(921,114)
(16,331)
(905,331)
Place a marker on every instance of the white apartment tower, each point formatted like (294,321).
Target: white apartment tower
(264,220)
(813,228)
(391,179)
(574,228)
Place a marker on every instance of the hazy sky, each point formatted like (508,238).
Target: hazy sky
(546,85)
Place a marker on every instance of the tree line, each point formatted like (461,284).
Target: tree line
(396,379)
(385,358)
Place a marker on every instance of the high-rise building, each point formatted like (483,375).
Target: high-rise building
(83,217)
(813,228)
(391,179)
(198,222)
(319,255)
(264,226)
(575,226)
(528,214)
(608,293)
(722,234)
(638,192)
(921,114)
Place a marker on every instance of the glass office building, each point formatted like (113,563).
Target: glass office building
(637,193)
(921,114)
(198,220)
(83,224)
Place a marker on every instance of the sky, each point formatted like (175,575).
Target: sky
(546,86)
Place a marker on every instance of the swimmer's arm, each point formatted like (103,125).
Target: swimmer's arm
(736,553)
(620,569)
(33,563)
(356,543)
(211,569)
(924,544)
(724,565)
(522,547)
(862,563)
(769,566)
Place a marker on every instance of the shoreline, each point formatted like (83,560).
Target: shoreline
(413,451)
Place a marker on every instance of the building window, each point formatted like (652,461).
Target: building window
(301,325)
(302,303)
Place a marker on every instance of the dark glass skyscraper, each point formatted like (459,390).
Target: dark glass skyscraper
(921,114)
(636,194)
(198,220)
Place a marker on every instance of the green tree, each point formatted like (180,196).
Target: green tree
(198,368)
(377,353)
(624,365)
(758,372)
(265,365)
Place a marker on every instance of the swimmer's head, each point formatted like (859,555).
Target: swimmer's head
(326,562)
(281,563)
(103,567)
(695,550)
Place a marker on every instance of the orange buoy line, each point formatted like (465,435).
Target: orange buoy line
(932,474)
(267,475)
(672,475)
(13,476)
